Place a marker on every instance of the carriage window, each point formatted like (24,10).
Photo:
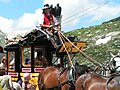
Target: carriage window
(11,60)
(26,56)
(39,57)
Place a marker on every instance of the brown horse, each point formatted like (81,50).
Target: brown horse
(96,82)
(53,78)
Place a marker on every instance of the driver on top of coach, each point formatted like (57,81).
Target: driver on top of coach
(48,25)
(48,20)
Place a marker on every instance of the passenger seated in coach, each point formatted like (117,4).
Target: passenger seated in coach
(41,60)
(3,63)
(12,64)
(27,61)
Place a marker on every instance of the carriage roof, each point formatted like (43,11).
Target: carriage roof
(37,37)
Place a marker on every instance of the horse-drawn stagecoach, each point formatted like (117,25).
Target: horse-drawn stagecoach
(22,53)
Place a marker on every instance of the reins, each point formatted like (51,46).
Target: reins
(89,58)
(60,36)
(58,86)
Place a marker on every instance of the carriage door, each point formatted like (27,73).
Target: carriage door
(13,65)
(13,61)
(40,60)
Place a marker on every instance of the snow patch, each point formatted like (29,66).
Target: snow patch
(103,40)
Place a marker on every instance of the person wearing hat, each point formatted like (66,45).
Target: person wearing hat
(48,19)
(26,78)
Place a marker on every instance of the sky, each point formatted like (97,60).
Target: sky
(24,15)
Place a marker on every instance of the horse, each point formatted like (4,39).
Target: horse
(110,67)
(96,82)
(116,61)
(52,78)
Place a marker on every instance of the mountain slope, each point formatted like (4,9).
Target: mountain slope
(102,40)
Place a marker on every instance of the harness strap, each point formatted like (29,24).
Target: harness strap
(71,75)
(61,84)
(89,58)
(108,82)
(60,36)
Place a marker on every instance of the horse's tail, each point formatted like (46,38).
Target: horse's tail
(40,83)
(38,78)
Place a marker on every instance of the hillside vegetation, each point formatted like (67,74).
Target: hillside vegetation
(102,40)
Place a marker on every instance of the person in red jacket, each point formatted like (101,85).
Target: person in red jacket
(48,24)
(48,18)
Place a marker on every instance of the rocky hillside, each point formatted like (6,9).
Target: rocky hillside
(2,38)
(102,40)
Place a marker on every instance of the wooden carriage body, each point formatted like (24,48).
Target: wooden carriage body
(21,53)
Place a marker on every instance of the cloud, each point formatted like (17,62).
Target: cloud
(86,9)
(5,1)
(5,24)
(28,21)
(105,12)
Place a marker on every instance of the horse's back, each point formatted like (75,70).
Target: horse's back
(80,82)
(52,79)
(86,81)
(49,76)
(48,70)
(95,82)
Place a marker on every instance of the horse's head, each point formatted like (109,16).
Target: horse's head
(116,61)
(81,69)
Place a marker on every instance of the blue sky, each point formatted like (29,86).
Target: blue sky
(16,8)
(24,15)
